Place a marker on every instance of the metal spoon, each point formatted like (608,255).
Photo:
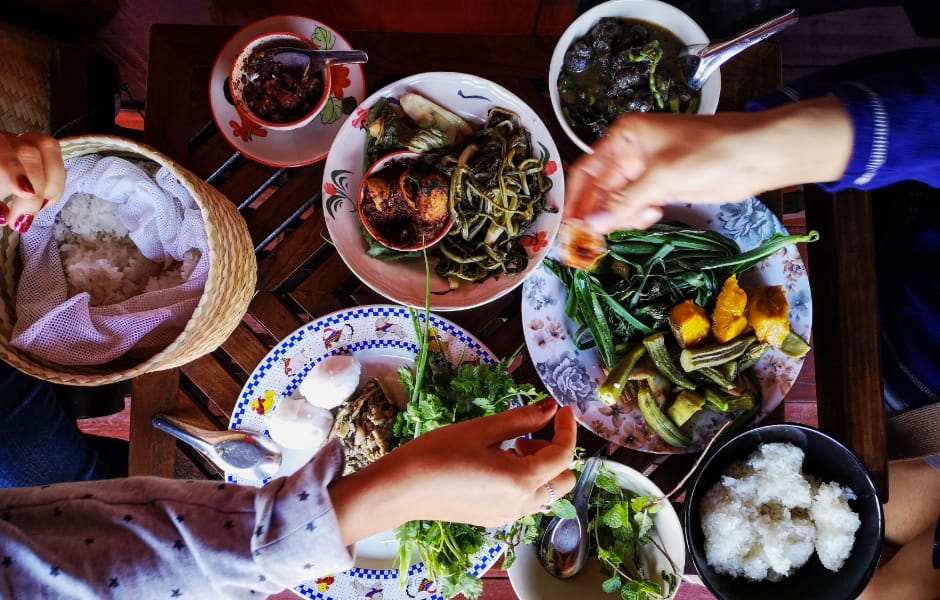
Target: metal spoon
(305,59)
(698,61)
(242,453)
(564,545)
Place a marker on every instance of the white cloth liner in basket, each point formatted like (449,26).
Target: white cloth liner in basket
(163,221)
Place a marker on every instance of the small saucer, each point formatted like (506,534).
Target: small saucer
(298,147)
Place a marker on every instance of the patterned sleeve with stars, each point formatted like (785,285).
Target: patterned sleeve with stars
(146,537)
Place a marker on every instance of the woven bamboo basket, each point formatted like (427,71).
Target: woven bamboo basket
(229,286)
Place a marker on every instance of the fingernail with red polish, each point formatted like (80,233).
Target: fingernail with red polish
(23,223)
(4,214)
(25,185)
(45,201)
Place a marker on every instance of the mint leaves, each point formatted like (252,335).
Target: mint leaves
(621,526)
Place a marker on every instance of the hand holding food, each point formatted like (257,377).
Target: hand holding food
(646,161)
(31,174)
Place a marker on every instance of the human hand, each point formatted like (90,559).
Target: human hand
(32,174)
(460,473)
(648,160)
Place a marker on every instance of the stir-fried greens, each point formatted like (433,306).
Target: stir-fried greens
(621,66)
(497,190)
(498,183)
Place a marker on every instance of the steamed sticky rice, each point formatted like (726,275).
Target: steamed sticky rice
(764,517)
(99,257)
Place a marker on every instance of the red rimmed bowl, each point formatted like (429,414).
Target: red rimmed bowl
(404,202)
(273,95)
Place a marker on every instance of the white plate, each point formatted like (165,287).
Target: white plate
(382,338)
(573,376)
(531,582)
(404,281)
(301,146)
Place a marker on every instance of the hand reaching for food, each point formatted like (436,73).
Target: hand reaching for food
(32,176)
(460,473)
(648,160)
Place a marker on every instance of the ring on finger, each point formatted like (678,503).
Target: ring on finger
(551,498)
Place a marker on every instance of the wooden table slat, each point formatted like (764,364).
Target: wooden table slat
(845,325)
(293,252)
(244,348)
(269,312)
(215,383)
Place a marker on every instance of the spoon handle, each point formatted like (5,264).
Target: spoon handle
(585,485)
(184,432)
(346,57)
(727,48)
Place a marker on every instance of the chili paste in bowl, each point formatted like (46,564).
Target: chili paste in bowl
(273,94)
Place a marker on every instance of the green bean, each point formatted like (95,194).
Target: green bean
(645,273)
(746,260)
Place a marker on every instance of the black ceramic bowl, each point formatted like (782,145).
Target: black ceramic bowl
(828,460)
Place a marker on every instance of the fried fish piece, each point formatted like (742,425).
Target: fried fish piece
(581,248)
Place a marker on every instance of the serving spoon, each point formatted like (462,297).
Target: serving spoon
(243,453)
(698,61)
(304,58)
(563,548)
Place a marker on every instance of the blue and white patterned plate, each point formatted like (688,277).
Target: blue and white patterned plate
(382,338)
(573,376)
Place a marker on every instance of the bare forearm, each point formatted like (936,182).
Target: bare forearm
(806,142)
(369,501)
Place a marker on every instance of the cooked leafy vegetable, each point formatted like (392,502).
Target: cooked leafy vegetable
(498,183)
(621,527)
(497,190)
(621,66)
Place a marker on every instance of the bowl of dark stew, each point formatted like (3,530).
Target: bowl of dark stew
(272,94)
(622,57)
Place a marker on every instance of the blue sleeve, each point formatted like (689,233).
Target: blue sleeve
(894,103)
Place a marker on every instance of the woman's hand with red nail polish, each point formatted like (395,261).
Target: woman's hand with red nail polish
(32,176)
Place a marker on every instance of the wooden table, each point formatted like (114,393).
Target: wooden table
(301,276)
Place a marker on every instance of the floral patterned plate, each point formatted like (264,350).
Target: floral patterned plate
(297,147)
(573,376)
(404,281)
(383,339)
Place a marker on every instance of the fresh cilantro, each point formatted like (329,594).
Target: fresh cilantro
(440,394)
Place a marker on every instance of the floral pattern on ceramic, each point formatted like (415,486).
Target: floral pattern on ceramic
(298,147)
(573,376)
(404,281)
(382,337)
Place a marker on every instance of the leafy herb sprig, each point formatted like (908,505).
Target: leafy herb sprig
(621,527)
(440,394)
